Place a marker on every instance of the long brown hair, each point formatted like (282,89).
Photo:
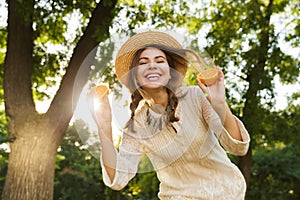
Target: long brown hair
(176,59)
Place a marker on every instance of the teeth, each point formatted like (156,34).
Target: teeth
(152,76)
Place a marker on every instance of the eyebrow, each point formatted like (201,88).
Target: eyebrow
(156,57)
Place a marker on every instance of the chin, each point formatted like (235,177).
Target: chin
(152,85)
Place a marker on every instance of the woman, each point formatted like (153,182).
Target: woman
(177,127)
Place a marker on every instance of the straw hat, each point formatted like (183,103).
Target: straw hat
(132,45)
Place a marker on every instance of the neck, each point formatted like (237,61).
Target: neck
(159,97)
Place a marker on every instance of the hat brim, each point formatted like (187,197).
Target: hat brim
(132,45)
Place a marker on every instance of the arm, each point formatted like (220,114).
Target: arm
(109,156)
(216,96)
(229,121)
(101,112)
(118,167)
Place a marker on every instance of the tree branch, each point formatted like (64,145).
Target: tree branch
(18,61)
(65,100)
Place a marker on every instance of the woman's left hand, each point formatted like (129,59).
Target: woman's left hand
(215,93)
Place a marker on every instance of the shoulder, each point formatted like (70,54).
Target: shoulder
(192,97)
(189,91)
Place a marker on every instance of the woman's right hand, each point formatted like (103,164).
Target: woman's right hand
(100,110)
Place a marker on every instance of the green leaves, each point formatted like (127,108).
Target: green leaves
(277,173)
(78,174)
(246,44)
(53,41)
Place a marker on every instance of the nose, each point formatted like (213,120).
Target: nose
(151,65)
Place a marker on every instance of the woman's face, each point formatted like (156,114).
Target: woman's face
(153,69)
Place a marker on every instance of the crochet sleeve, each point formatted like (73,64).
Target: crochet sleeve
(209,115)
(128,159)
(233,146)
(215,125)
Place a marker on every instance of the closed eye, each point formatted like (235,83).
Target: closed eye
(157,59)
(160,59)
(143,61)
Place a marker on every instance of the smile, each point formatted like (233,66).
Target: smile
(153,76)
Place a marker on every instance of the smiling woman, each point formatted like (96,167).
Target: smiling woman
(153,69)
(177,127)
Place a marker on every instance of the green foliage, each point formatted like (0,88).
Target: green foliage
(168,13)
(158,14)
(136,12)
(244,44)
(276,167)
(3,127)
(3,151)
(3,122)
(47,69)
(78,174)
(3,36)
(102,70)
(249,51)
(53,43)
(50,18)
(144,186)
(3,167)
(276,174)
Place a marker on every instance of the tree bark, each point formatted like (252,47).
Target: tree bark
(31,165)
(18,61)
(34,138)
(245,163)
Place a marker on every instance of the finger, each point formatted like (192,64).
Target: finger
(204,89)
(220,74)
(201,85)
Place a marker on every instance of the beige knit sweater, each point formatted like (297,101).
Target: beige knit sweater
(191,162)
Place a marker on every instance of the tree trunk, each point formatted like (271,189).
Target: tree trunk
(255,77)
(245,163)
(32,159)
(34,138)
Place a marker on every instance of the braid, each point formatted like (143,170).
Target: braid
(172,105)
(136,97)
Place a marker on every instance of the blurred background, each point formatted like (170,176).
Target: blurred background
(255,42)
